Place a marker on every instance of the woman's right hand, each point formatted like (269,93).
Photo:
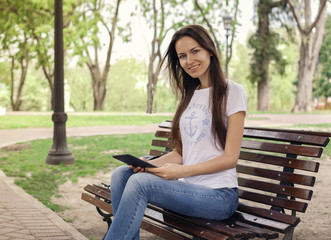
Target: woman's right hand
(138,169)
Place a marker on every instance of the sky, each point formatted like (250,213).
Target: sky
(142,35)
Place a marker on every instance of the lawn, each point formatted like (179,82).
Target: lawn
(44,121)
(92,154)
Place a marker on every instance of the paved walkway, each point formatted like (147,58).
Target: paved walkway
(23,217)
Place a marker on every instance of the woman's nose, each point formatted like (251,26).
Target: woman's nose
(189,59)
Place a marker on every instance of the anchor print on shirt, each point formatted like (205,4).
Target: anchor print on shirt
(191,132)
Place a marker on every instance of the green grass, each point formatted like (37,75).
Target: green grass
(44,121)
(92,154)
(315,127)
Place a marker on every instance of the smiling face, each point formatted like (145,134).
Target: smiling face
(194,59)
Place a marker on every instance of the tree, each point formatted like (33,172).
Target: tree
(323,78)
(88,42)
(15,42)
(211,14)
(311,34)
(159,15)
(35,18)
(265,42)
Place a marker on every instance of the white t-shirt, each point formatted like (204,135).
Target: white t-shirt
(198,140)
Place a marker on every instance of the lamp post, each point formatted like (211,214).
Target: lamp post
(59,152)
(227,22)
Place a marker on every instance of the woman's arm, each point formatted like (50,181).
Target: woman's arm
(171,157)
(226,161)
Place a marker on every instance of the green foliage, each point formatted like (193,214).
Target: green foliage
(127,89)
(323,76)
(79,92)
(126,86)
(239,69)
(265,47)
(36,93)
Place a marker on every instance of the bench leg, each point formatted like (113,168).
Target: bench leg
(105,218)
(289,234)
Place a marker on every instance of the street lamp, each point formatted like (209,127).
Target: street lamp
(227,21)
(59,152)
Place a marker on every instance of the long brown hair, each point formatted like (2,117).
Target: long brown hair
(184,85)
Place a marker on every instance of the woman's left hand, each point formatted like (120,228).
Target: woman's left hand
(168,171)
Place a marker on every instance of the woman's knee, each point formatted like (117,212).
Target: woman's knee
(141,182)
(119,173)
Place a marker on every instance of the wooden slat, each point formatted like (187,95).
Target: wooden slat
(97,202)
(286,137)
(193,229)
(161,143)
(282,148)
(300,131)
(222,227)
(98,192)
(162,134)
(280,161)
(276,188)
(261,222)
(277,175)
(161,230)
(261,232)
(155,152)
(273,201)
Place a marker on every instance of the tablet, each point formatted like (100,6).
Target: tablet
(132,160)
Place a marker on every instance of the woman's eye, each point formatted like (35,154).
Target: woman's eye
(195,50)
(181,56)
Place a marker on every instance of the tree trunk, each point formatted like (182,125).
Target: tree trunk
(16,99)
(99,88)
(263,87)
(152,81)
(99,80)
(311,42)
(155,57)
(264,33)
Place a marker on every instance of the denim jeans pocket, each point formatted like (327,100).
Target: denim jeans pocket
(228,203)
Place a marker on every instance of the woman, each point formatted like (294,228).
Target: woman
(198,178)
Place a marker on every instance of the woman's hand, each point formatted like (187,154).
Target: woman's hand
(169,171)
(138,169)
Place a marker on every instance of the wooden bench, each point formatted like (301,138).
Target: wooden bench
(276,174)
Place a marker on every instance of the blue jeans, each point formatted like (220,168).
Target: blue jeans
(130,193)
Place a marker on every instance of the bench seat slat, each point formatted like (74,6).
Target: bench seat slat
(97,202)
(161,230)
(276,188)
(261,222)
(193,228)
(280,161)
(287,136)
(221,227)
(306,151)
(262,232)
(273,201)
(98,192)
(277,175)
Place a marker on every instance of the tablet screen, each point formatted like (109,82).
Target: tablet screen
(132,160)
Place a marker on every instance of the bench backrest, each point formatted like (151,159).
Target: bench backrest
(276,170)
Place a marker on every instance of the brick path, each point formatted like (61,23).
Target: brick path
(23,217)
